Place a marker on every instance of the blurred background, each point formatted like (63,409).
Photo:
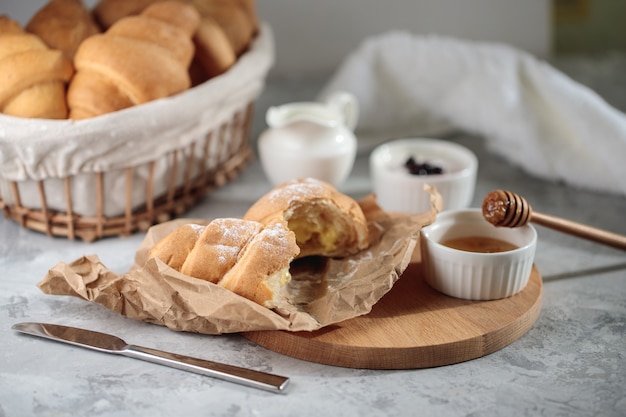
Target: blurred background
(584,38)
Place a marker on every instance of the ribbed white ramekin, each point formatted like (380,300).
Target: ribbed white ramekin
(399,191)
(475,275)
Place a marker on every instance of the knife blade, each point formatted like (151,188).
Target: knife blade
(107,343)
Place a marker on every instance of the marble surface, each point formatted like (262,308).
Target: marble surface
(571,363)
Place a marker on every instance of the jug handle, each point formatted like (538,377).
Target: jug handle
(347,104)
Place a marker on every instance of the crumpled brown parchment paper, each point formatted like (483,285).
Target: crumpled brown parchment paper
(321,292)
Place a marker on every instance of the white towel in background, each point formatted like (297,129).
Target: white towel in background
(527,111)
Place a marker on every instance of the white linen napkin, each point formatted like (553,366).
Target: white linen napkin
(528,111)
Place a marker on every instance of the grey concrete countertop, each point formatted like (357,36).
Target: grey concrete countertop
(571,363)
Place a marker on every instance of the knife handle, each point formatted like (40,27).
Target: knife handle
(249,377)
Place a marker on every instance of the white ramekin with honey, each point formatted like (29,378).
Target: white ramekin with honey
(465,256)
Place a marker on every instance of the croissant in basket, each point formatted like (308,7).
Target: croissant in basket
(139,59)
(33,78)
(245,257)
(226,30)
(63,25)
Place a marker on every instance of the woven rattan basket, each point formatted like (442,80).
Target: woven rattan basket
(121,173)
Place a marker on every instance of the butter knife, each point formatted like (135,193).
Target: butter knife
(107,343)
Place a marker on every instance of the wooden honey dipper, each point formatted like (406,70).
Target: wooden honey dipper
(506,209)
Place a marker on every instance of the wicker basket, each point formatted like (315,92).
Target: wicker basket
(121,173)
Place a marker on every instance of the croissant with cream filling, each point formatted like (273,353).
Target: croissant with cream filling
(326,222)
(245,257)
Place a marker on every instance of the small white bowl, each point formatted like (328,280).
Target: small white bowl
(397,190)
(476,275)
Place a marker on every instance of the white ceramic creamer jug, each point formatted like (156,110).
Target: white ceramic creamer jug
(310,139)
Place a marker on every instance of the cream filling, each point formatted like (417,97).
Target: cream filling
(314,234)
(275,283)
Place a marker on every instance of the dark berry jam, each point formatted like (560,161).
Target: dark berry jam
(422,168)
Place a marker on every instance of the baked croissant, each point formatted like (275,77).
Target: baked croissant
(107,12)
(245,257)
(226,30)
(237,18)
(33,78)
(214,50)
(139,59)
(63,25)
(325,221)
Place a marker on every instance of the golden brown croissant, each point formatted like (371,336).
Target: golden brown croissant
(33,77)
(262,267)
(218,248)
(107,12)
(63,25)
(139,59)
(174,249)
(237,19)
(243,256)
(226,30)
(214,51)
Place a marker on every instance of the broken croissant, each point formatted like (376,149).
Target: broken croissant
(245,257)
(34,77)
(252,256)
(326,222)
(139,59)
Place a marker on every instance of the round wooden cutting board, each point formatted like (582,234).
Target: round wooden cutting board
(414,326)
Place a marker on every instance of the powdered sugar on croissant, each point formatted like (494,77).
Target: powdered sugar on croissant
(326,222)
(245,257)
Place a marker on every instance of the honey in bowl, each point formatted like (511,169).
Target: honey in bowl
(479,244)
